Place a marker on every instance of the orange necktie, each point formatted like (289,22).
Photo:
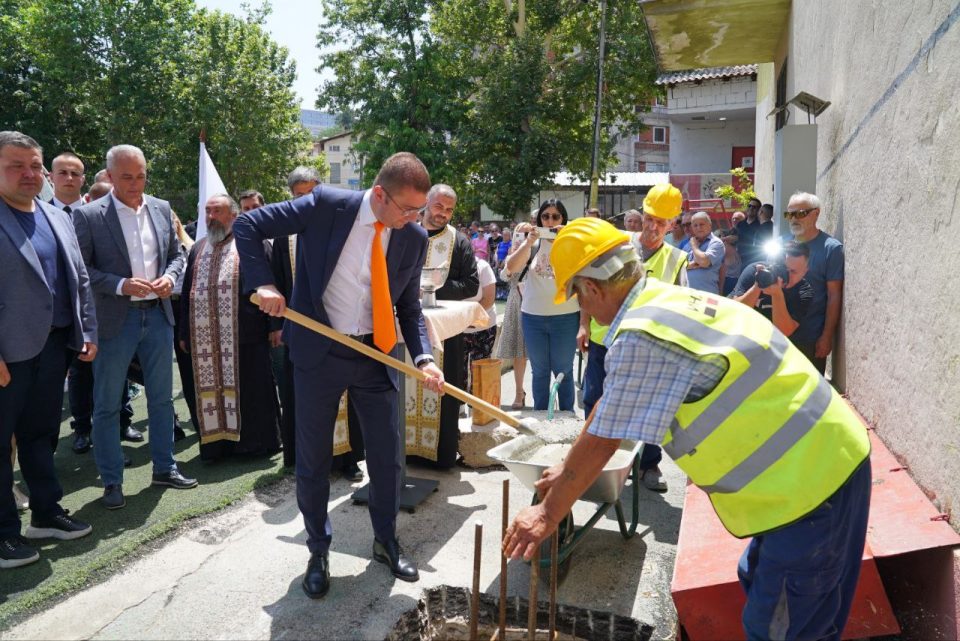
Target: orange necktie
(384,329)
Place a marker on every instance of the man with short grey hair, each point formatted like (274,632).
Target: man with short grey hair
(133,256)
(48,318)
(302,180)
(818,328)
(632,221)
(705,255)
(227,338)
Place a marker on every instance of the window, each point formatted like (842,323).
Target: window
(655,166)
(334,173)
(334,147)
(660,135)
(781,99)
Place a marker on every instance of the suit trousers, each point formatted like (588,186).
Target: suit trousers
(147,334)
(318,392)
(30,409)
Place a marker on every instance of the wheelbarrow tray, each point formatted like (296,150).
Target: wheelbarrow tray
(607,487)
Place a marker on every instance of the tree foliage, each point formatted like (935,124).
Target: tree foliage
(495,95)
(88,74)
(741,196)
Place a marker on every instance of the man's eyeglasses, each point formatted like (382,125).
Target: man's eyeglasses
(797,214)
(406,211)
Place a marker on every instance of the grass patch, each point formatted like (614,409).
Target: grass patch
(150,513)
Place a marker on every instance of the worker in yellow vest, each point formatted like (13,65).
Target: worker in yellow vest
(744,414)
(665,263)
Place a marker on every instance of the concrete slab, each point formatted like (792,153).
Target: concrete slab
(236,574)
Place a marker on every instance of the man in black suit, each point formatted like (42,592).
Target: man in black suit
(344,280)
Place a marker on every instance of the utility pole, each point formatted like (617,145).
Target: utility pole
(595,162)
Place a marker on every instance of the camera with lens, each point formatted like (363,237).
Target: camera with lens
(774,268)
(767,275)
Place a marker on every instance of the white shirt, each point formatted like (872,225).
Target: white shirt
(142,246)
(487,278)
(73,206)
(347,298)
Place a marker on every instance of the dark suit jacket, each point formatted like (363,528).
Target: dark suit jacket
(463,281)
(105,253)
(26,305)
(323,220)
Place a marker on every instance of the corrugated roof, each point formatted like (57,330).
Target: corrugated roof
(695,75)
(614,178)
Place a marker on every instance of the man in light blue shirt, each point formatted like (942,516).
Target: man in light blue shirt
(704,255)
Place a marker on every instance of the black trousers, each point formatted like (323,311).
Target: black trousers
(30,410)
(184,366)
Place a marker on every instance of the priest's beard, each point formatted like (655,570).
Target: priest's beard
(217,233)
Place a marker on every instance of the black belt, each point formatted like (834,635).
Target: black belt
(366,339)
(145,304)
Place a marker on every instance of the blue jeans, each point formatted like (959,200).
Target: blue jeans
(593,377)
(146,334)
(551,342)
(800,579)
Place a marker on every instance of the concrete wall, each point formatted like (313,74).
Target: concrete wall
(712,95)
(707,147)
(888,173)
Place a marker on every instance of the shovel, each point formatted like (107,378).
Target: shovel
(526,425)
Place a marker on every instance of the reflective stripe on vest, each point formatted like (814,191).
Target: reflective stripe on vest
(772,440)
(664,265)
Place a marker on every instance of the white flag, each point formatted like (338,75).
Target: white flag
(210,184)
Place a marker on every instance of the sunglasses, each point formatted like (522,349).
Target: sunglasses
(547,216)
(797,214)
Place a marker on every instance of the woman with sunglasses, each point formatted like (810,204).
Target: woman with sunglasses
(550,330)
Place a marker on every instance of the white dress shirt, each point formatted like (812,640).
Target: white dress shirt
(347,298)
(73,206)
(142,245)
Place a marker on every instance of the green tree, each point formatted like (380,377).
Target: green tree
(89,74)
(741,196)
(497,96)
(389,80)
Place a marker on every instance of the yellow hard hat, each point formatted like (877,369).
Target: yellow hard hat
(578,248)
(663,201)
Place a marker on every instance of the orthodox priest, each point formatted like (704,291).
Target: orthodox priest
(445,247)
(227,338)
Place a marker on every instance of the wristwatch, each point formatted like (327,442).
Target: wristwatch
(426,360)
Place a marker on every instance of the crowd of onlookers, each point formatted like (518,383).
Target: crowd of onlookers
(105,330)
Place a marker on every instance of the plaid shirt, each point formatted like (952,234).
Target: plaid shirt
(647,381)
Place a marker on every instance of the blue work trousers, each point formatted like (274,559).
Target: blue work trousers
(800,579)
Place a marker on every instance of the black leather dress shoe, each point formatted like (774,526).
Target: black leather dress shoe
(126,461)
(128,433)
(82,443)
(391,554)
(352,472)
(178,433)
(316,580)
(174,479)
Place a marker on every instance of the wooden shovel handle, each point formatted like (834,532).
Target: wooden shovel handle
(377,355)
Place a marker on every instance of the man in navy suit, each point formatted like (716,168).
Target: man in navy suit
(336,264)
(46,317)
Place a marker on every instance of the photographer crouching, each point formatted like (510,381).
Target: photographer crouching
(777,288)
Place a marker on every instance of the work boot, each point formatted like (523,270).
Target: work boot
(653,480)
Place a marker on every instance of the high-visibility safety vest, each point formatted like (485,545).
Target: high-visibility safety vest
(773,440)
(664,265)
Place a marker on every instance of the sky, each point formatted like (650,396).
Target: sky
(293,24)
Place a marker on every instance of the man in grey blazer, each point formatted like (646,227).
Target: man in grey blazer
(133,257)
(46,317)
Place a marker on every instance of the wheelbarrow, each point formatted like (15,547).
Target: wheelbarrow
(520,457)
